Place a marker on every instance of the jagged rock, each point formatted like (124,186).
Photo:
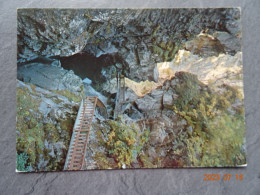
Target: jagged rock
(157,134)
(45,118)
(142,88)
(205,45)
(165,72)
(51,32)
(174,82)
(231,44)
(152,153)
(50,77)
(87,81)
(130,95)
(167,99)
(148,103)
(134,114)
(157,94)
(110,86)
(223,69)
(102,48)
(140,37)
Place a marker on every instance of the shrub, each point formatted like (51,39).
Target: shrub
(225,146)
(125,142)
(218,134)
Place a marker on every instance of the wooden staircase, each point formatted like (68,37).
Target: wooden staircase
(78,145)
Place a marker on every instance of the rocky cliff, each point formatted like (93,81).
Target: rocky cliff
(182,70)
(139,38)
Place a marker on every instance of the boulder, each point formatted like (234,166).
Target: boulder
(168,99)
(148,103)
(157,94)
(130,95)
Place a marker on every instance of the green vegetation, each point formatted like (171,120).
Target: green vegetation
(108,29)
(166,50)
(146,161)
(21,162)
(225,147)
(70,95)
(124,143)
(33,133)
(217,136)
(154,34)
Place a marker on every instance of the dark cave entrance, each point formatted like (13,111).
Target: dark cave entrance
(87,65)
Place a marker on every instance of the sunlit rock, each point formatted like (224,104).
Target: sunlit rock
(165,72)
(141,88)
(222,69)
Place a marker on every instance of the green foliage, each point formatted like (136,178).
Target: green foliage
(225,146)
(102,161)
(125,142)
(155,31)
(187,90)
(146,161)
(166,50)
(175,49)
(33,133)
(218,134)
(70,95)
(157,50)
(67,124)
(22,162)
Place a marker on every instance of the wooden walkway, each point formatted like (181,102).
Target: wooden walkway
(78,145)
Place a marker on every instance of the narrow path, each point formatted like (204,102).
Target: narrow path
(77,151)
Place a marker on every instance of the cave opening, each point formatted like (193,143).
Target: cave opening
(88,66)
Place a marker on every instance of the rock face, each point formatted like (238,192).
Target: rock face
(50,77)
(231,44)
(51,32)
(217,70)
(44,124)
(205,45)
(168,99)
(175,115)
(148,103)
(140,38)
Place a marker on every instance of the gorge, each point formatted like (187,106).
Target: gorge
(182,98)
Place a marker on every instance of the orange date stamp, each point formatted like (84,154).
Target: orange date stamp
(225,177)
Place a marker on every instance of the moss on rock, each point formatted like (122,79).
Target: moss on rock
(43,139)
